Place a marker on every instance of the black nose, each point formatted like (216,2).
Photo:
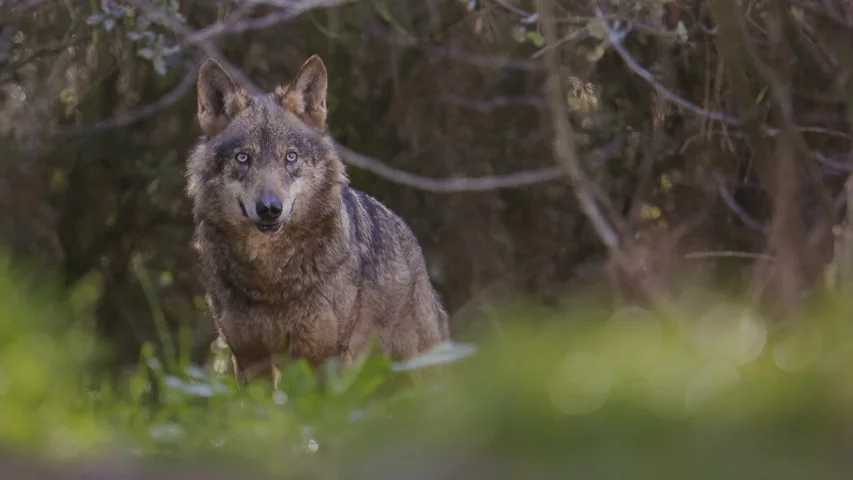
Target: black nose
(268,206)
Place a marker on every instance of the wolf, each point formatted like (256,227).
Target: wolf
(293,259)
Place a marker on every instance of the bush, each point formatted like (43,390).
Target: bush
(722,395)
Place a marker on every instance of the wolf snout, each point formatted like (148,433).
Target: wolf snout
(268,207)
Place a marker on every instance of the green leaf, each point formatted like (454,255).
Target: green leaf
(535,38)
(445,352)
(596,28)
(595,54)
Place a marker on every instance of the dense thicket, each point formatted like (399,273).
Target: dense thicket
(704,129)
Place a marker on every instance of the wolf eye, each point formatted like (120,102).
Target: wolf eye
(291,157)
(242,157)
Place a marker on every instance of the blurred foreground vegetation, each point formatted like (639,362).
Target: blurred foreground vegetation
(640,211)
(718,395)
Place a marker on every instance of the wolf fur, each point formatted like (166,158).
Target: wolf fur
(292,257)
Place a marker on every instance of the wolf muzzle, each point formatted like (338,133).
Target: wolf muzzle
(268,207)
(268,212)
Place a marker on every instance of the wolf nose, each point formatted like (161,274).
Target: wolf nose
(268,206)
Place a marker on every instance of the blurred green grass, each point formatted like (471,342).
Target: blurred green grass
(718,394)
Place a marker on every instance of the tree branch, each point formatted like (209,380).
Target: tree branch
(135,115)
(615,236)
(203,39)
(456,185)
(615,38)
(206,46)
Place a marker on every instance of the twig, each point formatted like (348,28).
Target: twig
(513,180)
(21,6)
(729,254)
(832,163)
(512,8)
(182,31)
(564,143)
(839,272)
(615,39)
(456,185)
(289,11)
(42,51)
(527,17)
(456,54)
(494,103)
(568,38)
(737,209)
(377,167)
(133,116)
(616,237)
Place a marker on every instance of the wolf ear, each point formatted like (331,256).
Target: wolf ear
(306,94)
(219,99)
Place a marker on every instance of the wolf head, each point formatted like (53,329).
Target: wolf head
(263,161)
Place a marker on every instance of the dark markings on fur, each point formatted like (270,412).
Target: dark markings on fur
(374,214)
(351,204)
(227,147)
(238,173)
(307,152)
(266,138)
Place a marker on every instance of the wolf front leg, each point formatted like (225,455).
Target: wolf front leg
(253,363)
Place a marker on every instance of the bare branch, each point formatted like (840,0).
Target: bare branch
(494,103)
(576,35)
(616,236)
(729,254)
(42,51)
(737,209)
(145,111)
(21,5)
(289,11)
(454,53)
(832,163)
(526,17)
(203,39)
(564,143)
(455,185)
(615,38)
(206,46)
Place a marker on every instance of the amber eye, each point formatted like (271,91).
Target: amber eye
(291,157)
(242,157)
